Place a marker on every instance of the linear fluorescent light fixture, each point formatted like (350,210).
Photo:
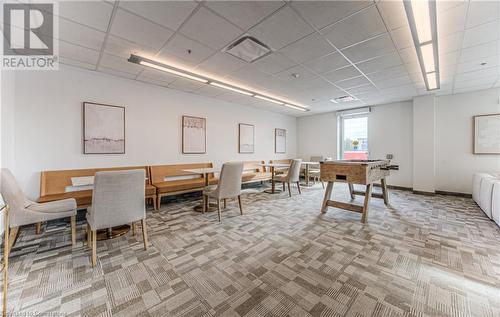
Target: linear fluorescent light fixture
(421,16)
(199,78)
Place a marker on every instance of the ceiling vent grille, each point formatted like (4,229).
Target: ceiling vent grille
(248,49)
(343,99)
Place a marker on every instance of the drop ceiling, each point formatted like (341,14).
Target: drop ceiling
(321,50)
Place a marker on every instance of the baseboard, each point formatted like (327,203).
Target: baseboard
(441,192)
(419,192)
(394,187)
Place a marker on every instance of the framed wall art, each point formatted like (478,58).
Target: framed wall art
(279,140)
(246,135)
(194,135)
(487,134)
(103,129)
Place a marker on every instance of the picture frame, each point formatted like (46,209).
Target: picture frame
(246,138)
(486,132)
(103,128)
(279,141)
(194,135)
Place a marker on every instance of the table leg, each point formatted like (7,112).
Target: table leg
(366,205)
(307,175)
(208,207)
(384,191)
(273,187)
(351,190)
(328,194)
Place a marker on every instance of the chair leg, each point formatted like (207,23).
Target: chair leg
(284,188)
(133,229)
(144,233)
(73,230)
(94,247)
(38,228)
(323,184)
(14,232)
(298,187)
(289,189)
(158,201)
(239,203)
(225,203)
(218,209)
(89,236)
(155,206)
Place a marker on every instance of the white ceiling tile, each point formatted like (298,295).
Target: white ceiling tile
(363,90)
(327,63)
(244,14)
(116,73)
(95,14)
(387,73)
(477,74)
(482,11)
(311,47)
(210,91)
(408,55)
(302,73)
(380,63)
(323,13)
(139,30)
(210,29)
(402,37)
(372,48)
(157,76)
(186,85)
(443,6)
(152,81)
(393,13)
(452,20)
(189,51)
(470,88)
(123,48)
(394,82)
(482,34)
(490,61)
(249,75)
(281,29)
(487,82)
(480,51)
(342,74)
(78,53)
(70,62)
(450,43)
(359,27)
(274,63)
(221,64)
(119,64)
(353,82)
(315,83)
(81,35)
(170,14)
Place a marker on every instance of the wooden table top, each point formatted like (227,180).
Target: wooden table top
(205,170)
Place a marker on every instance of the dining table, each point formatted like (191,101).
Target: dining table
(205,172)
(272,167)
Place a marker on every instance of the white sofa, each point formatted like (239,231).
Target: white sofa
(486,193)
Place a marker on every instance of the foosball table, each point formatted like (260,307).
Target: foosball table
(360,172)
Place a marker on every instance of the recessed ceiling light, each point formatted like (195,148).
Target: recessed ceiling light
(248,49)
(295,75)
(483,63)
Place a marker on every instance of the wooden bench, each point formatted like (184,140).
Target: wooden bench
(173,180)
(281,170)
(54,185)
(254,172)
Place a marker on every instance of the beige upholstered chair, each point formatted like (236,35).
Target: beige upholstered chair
(25,212)
(292,176)
(229,186)
(118,199)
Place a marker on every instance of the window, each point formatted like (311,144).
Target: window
(354,137)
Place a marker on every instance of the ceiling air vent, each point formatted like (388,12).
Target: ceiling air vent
(248,49)
(343,99)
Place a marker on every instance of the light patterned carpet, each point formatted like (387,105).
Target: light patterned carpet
(423,256)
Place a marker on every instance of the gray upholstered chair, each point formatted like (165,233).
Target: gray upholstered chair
(229,186)
(292,176)
(118,199)
(26,212)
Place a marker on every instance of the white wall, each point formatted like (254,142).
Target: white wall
(48,124)
(444,159)
(390,132)
(317,136)
(424,143)
(455,163)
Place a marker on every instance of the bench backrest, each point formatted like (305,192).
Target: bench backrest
(253,166)
(284,161)
(160,172)
(56,182)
